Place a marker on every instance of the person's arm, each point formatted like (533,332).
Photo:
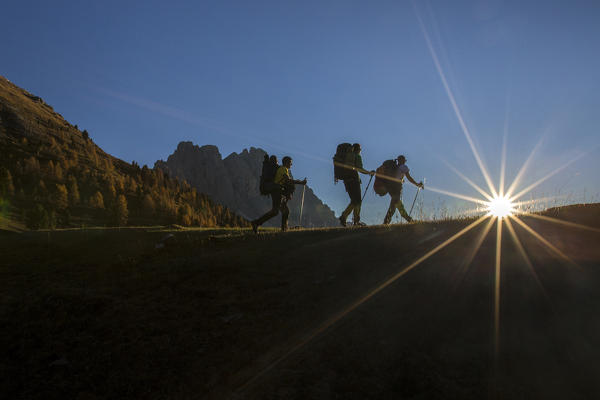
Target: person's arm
(364,171)
(298,182)
(411,180)
(359,167)
(290,179)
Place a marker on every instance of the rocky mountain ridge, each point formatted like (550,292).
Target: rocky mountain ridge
(234,182)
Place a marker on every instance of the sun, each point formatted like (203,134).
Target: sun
(500,206)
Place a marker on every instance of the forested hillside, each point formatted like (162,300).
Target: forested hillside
(52,174)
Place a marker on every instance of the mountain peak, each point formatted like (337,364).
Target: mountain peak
(234,182)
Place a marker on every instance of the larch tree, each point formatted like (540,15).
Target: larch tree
(97,200)
(61,197)
(74,196)
(7,187)
(121,212)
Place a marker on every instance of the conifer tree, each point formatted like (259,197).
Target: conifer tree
(110,193)
(52,219)
(36,218)
(32,166)
(7,187)
(50,169)
(185,215)
(148,205)
(73,191)
(40,193)
(61,197)
(58,172)
(120,211)
(97,201)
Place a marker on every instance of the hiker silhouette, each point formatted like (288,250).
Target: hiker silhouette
(280,189)
(352,164)
(394,188)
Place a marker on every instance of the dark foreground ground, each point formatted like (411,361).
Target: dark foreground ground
(225,314)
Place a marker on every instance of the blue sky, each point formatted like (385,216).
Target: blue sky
(296,78)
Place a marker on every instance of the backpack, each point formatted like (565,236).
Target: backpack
(382,185)
(269,168)
(340,169)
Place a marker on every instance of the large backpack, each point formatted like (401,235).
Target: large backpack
(269,168)
(341,170)
(382,184)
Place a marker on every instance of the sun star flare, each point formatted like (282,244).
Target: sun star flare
(501,207)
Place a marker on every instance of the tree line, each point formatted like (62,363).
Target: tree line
(48,186)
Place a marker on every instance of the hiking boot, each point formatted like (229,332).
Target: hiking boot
(409,220)
(359,224)
(342,221)
(254,227)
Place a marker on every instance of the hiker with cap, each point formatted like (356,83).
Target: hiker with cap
(281,193)
(394,188)
(352,182)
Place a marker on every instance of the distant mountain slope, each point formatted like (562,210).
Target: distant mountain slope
(234,182)
(53,175)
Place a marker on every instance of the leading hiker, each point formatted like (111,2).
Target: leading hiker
(353,165)
(281,192)
(394,188)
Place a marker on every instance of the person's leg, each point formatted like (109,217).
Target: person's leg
(350,208)
(355,198)
(285,212)
(356,215)
(391,209)
(276,203)
(403,213)
(346,212)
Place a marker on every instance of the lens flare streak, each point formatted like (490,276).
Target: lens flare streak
(545,242)
(470,182)
(522,170)
(546,177)
(458,196)
(469,258)
(455,107)
(497,287)
(331,321)
(560,221)
(523,253)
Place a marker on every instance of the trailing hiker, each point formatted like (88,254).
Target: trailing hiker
(388,179)
(280,186)
(347,163)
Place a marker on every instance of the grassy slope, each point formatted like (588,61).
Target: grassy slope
(104,314)
(30,117)
(31,128)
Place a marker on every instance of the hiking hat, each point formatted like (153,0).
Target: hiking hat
(401,157)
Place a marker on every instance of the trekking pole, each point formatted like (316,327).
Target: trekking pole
(415,199)
(367,188)
(302,205)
